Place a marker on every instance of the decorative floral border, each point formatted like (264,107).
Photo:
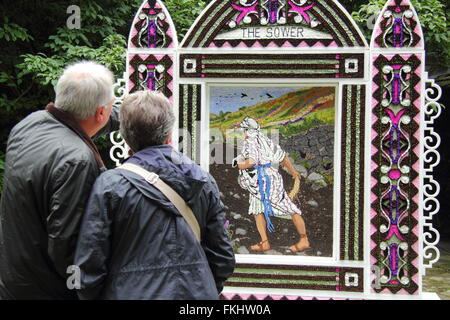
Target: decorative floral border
(395,171)
(331,66)
(234,296)
(352,172)
(321,15)
(151,72)
(189,120)
(398,26)
(336,279)
(152,27)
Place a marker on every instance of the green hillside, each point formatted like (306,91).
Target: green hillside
(291,113)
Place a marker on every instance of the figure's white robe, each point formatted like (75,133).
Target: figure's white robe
(263,151)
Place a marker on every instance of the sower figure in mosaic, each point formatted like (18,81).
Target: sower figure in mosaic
(268,197)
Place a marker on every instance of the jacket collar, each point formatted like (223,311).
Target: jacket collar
(69,121)
(177,170)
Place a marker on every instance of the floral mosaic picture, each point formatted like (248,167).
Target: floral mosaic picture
(288,132)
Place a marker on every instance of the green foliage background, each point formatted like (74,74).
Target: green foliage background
(36,44)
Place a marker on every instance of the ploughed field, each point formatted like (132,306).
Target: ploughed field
(316,206)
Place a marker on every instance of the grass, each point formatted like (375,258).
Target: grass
(294,156)
(304,163)
(329,179)
(272,114)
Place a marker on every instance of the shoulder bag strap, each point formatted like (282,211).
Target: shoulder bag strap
(173,197)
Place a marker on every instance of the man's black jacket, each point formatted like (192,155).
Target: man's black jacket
(49,173)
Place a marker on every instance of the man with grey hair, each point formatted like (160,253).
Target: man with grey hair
(134,243)
(51,165)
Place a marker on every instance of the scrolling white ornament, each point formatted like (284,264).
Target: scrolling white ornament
(431,188)
(119,150)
